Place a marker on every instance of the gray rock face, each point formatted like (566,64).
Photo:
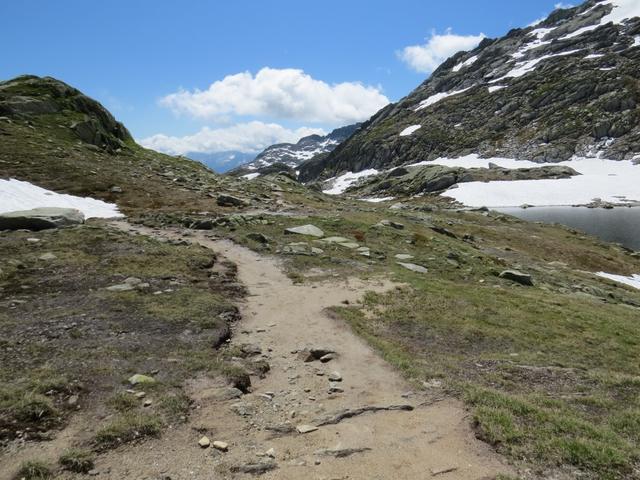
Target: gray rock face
(413,267)
(41,218)
(518,277)
(562,95)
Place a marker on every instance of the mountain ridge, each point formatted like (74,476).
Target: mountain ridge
(565,86)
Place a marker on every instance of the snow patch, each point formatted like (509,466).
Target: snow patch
(437,97)
(632,281)
(466,63)
(251,176)
(341,183)
(522,68)
(18,195)
(594,55)
(409,130)
(495,88)
(611,181)
(377,199)
(622,10)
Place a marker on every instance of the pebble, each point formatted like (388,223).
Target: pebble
(335,377)
(204,442)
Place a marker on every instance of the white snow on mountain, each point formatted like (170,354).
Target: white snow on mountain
(341,183)
(632,281)
(409,130)
(18,195)
(433,99)
(466,63)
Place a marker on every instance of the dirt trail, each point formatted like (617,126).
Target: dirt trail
(283,318)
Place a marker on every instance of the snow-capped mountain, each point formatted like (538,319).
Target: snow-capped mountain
(221,162)
(567,86)
(293,154)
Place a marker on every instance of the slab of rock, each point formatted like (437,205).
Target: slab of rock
(328,357)
(230,201)
(309,230)
(139,379)
(41,218)
(47,257)
(335,377)
(306,428)
(518,277)
(413,267)
(403,256)
(255,468)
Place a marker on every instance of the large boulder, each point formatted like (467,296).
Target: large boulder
(309,230)
(41,218)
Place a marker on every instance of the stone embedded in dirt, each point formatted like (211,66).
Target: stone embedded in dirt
(204,442)
(403,256)
(341,452)
(258,237)
(250,349)
(255,468)
(271,453)
(319,352)
(140,394)
(518,277)
(327,358)
(222,446)
(335,377)
(147,403)
(335,388)
(41,218)
(334,419)
(306,428)
(139,379)
(413,267)
(47,257)
(121,287)
(73,400)
(440,471)
(231,201)
(309,230)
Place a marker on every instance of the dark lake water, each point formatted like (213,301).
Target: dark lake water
(620,225)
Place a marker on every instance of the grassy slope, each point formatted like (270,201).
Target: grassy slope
(64,334)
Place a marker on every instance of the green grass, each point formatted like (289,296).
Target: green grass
(34,470)
(127,428)
(77,460)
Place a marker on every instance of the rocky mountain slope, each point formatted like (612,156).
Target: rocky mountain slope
(293,154)
(55,137)
(566,86)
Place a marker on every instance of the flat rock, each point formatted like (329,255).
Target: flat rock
(47,257)
(230,201)
(41,218)
(139,379)
(222,446)
(306,428)
(309,230)
(518,277)
(413,267)
(403,256)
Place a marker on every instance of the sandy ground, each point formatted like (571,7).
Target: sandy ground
(432,440)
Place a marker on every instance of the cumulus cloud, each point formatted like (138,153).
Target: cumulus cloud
(280,93)
(251,137)
(427,57)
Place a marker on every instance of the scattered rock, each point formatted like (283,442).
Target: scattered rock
(258,237)
(231,201)
(309,230)
(139,379)
(413,267)
(204,442)
(41,218)
(255,468)
(335,388)
(328,357)
(115,189)
(47,257)
(441,471)
(222,446)
(341,452)
(306,428)
(403,256)
(354,412)
(518,277)
(335,377)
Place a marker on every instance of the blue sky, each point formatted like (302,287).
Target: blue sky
(277,63)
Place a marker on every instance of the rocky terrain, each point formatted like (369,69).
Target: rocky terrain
(291,155)
(563,87)
(233,328)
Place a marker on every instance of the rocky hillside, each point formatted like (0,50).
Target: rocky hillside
(55,137)
(566,86)
(293,154)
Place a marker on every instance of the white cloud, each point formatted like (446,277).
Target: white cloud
(562,5)
(280,93)
(427,57)
(251,137)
